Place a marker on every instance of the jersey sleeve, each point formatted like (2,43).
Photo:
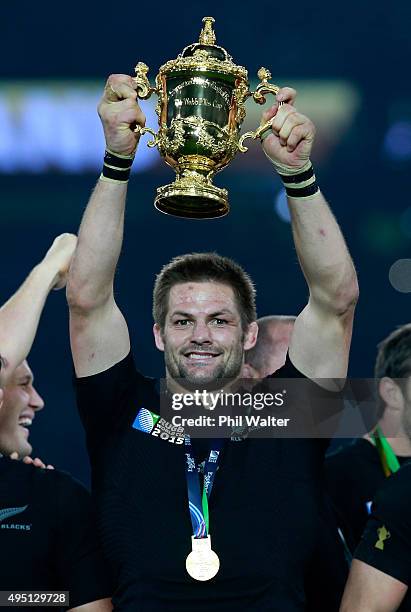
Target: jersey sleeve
(79,561)
(314,410)
(107,406)
(102,399)
(386,541)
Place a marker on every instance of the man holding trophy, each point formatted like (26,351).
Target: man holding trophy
(266,499)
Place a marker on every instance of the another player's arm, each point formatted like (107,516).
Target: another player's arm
(101,605)
(321,338)
(98,331)
(20,315)
(370,590)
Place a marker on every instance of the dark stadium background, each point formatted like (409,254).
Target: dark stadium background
(364,170)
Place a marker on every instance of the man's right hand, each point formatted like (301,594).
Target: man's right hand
(120,113)
(59,257)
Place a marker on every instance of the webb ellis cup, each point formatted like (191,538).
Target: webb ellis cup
(201,106)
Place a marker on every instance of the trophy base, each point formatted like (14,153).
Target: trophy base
(192,202)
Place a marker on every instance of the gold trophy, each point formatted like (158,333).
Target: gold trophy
(201,106)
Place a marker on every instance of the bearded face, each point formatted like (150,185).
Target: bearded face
(203,339)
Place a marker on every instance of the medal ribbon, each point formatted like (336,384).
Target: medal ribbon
(388,458)
(197,502)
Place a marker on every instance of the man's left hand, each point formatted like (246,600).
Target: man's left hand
(59,257)
(30,461)
(292,136)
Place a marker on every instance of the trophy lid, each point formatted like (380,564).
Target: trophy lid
(207,43)
(205,55)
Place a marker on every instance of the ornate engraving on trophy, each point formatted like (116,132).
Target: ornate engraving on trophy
(204,82)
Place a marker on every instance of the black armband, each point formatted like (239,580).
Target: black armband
(116,168)
(300,185)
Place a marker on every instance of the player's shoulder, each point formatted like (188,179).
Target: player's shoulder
(54,480)
(64,480)
(402,478)
(40,483)
(349,462)
(394,497)
(124,373)
(69,498)
(353,451)
(21,472)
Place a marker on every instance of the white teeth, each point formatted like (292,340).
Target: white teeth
(200,356)
(25,422)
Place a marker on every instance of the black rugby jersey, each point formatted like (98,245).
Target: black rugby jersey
(353,476)
(386,542)
(48,535)
(265,508)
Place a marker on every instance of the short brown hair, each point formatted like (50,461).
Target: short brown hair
(204,267)
(394,356)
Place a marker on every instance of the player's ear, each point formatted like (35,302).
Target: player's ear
(158,337)
(391,393)
(250,336)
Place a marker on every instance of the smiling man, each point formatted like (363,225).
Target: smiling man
(207,326)
(266,498)
(47,536)
(20,405)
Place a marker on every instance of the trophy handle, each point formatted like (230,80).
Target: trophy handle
(143,87)
(144,91)
(259,94)
(144,130)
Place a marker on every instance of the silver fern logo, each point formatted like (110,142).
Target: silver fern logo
(8,512)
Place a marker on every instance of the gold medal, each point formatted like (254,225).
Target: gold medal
(202,563)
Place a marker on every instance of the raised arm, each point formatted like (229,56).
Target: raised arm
(20,315)
(321,338)
(98,331)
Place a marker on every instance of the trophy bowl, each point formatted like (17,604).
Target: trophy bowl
(201,106)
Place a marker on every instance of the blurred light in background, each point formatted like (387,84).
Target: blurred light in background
(400,275)
(54,127)
(281,206)
(382,232)
(405,222)
(397,141)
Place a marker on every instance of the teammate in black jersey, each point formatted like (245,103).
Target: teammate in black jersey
(328,570)
(19,318)
(380,575)
(47,530)
(355,473)
(266,499)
